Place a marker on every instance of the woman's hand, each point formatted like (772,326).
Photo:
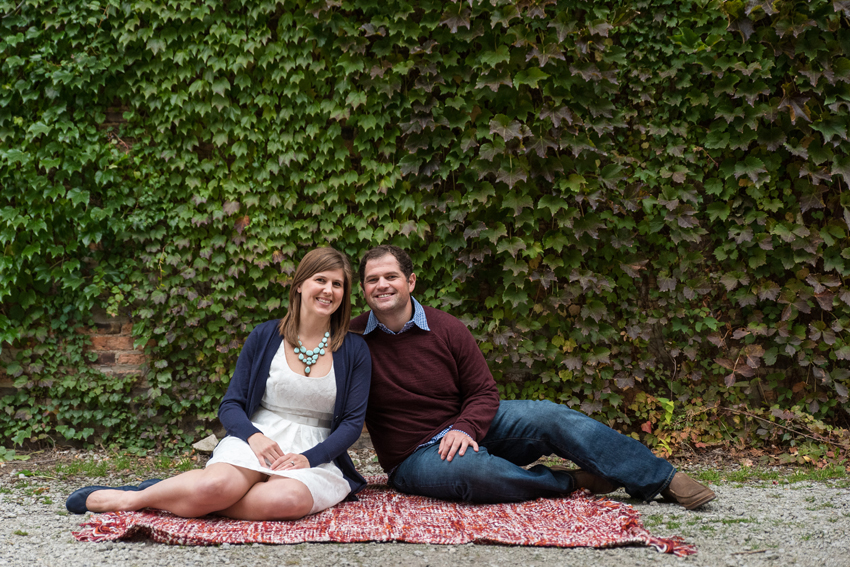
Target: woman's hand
(291,461)
(267,451)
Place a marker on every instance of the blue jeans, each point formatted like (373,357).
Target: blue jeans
(521,433)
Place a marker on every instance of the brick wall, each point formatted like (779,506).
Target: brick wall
(112,340)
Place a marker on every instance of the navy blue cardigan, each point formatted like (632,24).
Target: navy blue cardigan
(353,371)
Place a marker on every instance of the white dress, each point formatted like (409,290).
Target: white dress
(295,412)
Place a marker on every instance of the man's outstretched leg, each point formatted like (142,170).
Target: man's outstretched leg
(522,431)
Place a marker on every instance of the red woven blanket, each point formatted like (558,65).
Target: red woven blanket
(382,514)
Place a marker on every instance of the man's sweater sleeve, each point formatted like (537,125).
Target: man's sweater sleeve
(477,387)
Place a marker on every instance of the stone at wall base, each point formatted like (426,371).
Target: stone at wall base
(207,444)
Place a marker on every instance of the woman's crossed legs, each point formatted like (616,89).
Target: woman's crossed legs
(227,490)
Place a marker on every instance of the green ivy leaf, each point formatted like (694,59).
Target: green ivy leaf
(841,166)
(494,58)
(517,202)
(508,129)
(512,246)
(530,77)
(495,233)
(553,203)
(752,167)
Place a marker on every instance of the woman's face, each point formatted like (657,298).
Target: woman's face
(322,293)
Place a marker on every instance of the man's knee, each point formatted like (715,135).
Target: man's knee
(430,470)
(473,477)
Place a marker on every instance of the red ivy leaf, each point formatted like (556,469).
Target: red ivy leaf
(745,26)
(541,145)
(825,300)
(730,280)
(511,177)
(591,407)
(624,381)
(633,268)
(408,227)
(796,106)
(600,27)
(745,371)
(548,51)
(667,284)
(230,207)
(456,17)
(740,333)
(753,355)
(556,115)
(546,278)
(494,81)
(241,223)
(821,282)
(812,198)
(790,312)
(594,309)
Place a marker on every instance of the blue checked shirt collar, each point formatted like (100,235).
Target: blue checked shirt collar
(418,319)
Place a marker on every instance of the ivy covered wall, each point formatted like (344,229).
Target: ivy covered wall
(640,208)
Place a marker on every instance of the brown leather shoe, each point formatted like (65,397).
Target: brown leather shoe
(687,492)
(584,479)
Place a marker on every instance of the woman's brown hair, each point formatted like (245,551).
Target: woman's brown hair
(315,261)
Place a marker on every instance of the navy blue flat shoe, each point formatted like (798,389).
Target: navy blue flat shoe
(76,503)
(149,482)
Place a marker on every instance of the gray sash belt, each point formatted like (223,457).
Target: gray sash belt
(303,417)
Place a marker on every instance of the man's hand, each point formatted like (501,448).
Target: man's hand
(455,442)
(266,449)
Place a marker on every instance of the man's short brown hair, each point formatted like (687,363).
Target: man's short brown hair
(403,259)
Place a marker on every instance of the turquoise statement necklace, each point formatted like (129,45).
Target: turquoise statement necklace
(309,357)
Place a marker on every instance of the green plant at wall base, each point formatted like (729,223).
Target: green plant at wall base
(640,208)
(58,393)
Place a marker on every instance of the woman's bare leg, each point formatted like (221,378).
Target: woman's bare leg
(191,494)
(279,498)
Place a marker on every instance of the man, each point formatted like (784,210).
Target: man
(440,430)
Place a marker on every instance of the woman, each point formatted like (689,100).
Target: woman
(290,412)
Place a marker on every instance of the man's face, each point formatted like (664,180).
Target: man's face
(386,289)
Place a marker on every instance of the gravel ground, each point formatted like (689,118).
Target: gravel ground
(765,523)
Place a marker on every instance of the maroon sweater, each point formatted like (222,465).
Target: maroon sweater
(424,381)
